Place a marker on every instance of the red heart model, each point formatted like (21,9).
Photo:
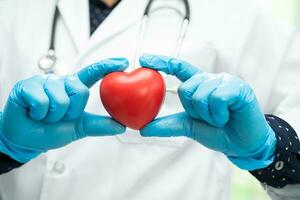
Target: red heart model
(133,99)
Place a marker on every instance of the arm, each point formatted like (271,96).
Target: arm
(7,163)
(222,113)
(286,97)
(286,166)
(47,112)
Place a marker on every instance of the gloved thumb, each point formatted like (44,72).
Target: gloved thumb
(172,125)
(182,124)
(94,125)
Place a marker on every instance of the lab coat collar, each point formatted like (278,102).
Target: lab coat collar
(125,14)
(75,16)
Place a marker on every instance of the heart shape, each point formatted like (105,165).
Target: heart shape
(133,99)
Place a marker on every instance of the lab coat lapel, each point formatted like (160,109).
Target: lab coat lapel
(75,16)
(126,13)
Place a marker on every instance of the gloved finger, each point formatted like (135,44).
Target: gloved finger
(187,90)
(78,94)
(30,94)
(1,114)
(201,96)
(59,101)
(94,125)
(221,99)
(182,124)
(94,72)
(232,95)
(179,68)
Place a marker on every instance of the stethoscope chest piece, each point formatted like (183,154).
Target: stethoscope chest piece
(47,62)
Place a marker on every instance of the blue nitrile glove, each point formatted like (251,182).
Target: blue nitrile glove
(47,112)
(222,113)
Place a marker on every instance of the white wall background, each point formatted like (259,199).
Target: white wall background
(287,11)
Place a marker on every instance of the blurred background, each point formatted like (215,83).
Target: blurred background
(245,187)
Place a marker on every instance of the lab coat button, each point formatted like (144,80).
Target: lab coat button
(59,167)
(279,165)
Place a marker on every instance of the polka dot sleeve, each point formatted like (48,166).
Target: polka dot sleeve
(285,169)
(7,164)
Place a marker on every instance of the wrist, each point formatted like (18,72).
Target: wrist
(16,152)
(260,158)
(285,167)
(7,163)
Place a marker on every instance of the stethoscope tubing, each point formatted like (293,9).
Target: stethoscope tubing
(186,4)
(48,61)
(144,24)
(180,39)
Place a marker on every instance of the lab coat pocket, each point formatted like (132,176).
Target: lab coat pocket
(134,138)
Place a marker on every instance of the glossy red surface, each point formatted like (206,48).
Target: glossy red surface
(133,99)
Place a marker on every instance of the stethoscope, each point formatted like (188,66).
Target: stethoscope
(182,33)
(47,62)
(183,28)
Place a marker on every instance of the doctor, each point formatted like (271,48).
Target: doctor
(231,36)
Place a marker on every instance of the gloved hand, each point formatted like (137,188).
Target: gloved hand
(221,112)
(47,112)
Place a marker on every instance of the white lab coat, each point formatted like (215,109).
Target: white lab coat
(224,36)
